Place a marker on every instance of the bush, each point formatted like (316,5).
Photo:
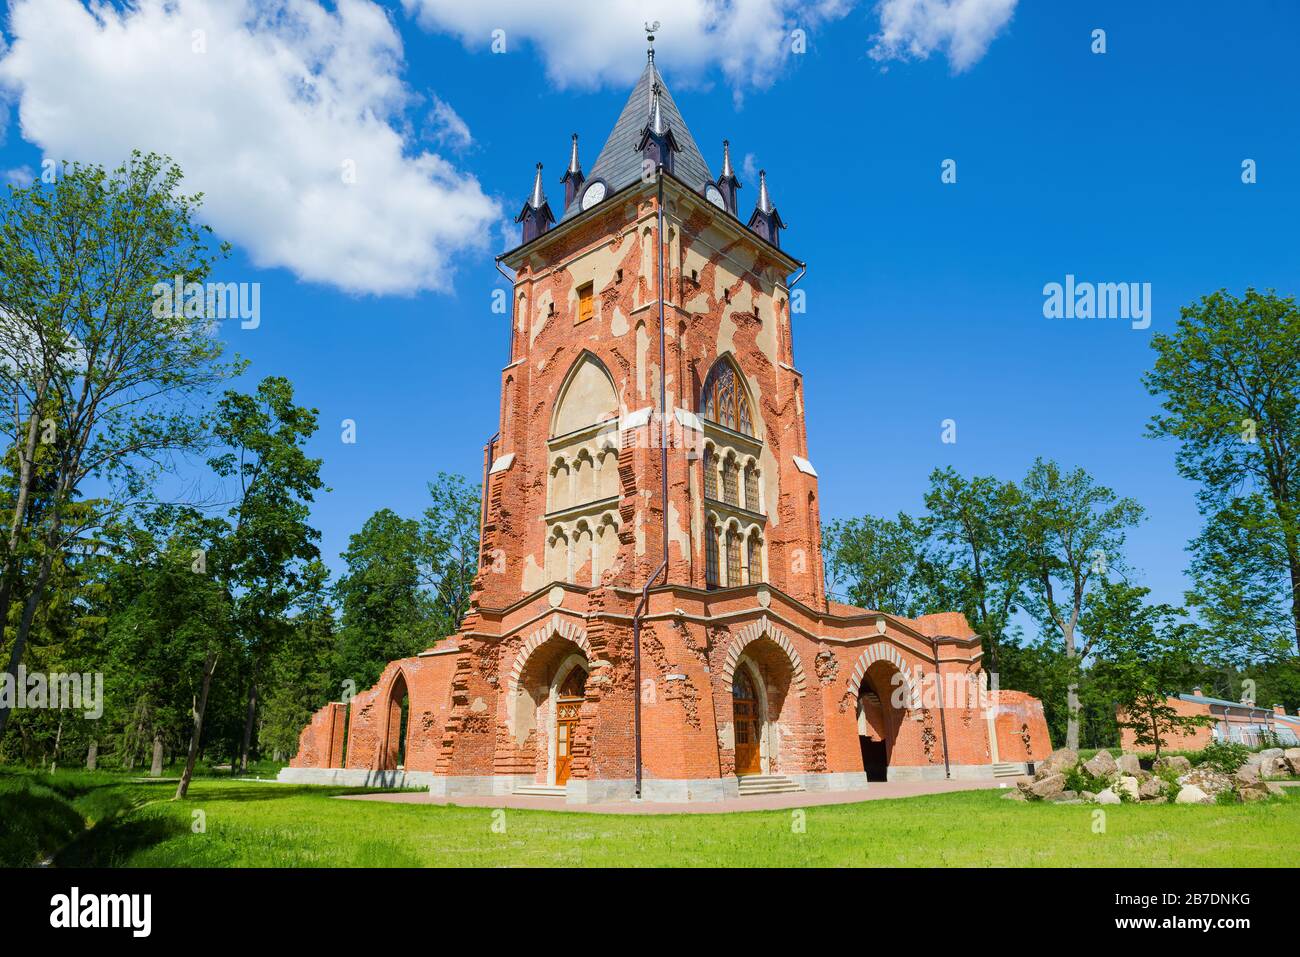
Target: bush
(1225,757)
(1079,780)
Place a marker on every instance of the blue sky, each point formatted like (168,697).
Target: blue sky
(924,299)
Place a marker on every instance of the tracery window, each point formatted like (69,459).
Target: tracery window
(730,489)
(710,473)
(751,488)
(724,399)
(753,561)
(733,557)
(711,554)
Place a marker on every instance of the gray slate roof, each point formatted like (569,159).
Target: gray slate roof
(619,164)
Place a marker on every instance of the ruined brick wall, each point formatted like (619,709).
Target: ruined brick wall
(375,714)
(320,745)
(1021,727)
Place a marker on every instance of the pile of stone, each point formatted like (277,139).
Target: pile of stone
(1126,780)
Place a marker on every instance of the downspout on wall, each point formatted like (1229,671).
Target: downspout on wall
(663,475)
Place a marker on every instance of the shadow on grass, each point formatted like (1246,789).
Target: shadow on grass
(111,843)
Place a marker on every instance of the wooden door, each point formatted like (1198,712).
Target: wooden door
(568,708)
(747,723)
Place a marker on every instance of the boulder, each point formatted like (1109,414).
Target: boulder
(1270,753)
(1255,792)
(1175,761)
(1129,784)
(1071,797)
(1275,766)
(1101,765)
(1274,789)
(1292,756)
(1014,794)
(1129,764)
(1087,796)
(1207,780)
(1048,787)
(1056,763)
(1247,774)
(1191,794)
(1150,789)
(1108,796)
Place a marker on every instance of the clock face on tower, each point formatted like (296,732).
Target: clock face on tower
(593,194)
(714,196)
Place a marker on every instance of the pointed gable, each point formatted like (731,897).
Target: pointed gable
(619,163)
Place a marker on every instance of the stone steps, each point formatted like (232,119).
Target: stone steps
(767,784)
(1008,769)
(540,790)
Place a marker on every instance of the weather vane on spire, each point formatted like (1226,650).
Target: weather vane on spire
(650,29)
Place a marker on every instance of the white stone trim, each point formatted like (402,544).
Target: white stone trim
(554,626)
(803,465)
(882,651)
(759,629)
(502,464)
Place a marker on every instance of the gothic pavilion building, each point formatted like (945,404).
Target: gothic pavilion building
(650,614)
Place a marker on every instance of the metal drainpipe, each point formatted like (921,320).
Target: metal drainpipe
(663,475)
(943,721)
(510,326)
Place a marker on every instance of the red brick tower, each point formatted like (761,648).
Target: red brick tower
(650,612)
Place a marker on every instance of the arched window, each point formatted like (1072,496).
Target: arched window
(711,554)
(724,400)
(710,473)
(733,557)
(751,487)
(753,560)
(730,486)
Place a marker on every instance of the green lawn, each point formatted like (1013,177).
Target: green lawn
(104,819)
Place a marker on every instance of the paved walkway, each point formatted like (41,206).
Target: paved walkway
(758,802)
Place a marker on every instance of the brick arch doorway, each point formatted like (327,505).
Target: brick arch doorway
(879,720)
(392,756)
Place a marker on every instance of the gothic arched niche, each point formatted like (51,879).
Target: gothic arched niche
(587,397)
(724,398)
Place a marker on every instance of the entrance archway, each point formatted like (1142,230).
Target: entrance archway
(392,756)
(878,719)
(547,693)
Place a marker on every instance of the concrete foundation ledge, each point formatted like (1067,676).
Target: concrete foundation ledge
(832,781)
(356,777)
(681,790)
(935,772)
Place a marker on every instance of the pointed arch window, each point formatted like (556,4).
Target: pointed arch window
(710,473)
(733,557)
(730,487)
(711,554)
(753,560)
(725,400)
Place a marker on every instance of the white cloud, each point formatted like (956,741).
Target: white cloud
(20,176)
(263,103)
(448,127)
(963,29)
(586,43)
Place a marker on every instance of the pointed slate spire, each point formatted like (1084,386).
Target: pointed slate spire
(536,214)
(573,177)
(618,164)
(727,181)
(766,221)
(658,145)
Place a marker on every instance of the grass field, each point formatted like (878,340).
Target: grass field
(107,820)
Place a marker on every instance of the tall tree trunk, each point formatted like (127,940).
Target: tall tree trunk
(155,769)
(201,706)
(24,628)
(25,474)
(54,758)
(92,755)
(249,718)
